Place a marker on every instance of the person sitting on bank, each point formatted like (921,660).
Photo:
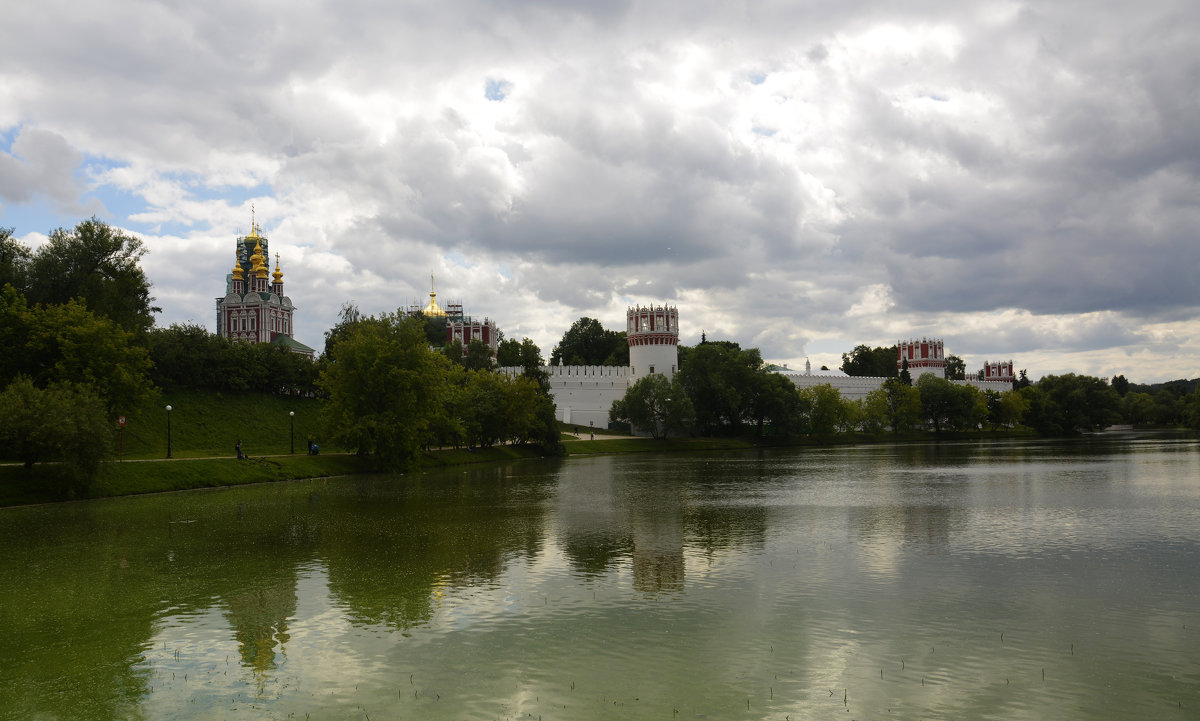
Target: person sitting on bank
(238,446)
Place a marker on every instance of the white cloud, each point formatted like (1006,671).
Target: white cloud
(1018,179)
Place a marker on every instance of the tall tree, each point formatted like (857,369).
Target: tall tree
(478,357)
(1068,404)
(948,406)
(97,264)
(895,404)
(654,404)
(826,410)
(956,368)
(67,343)
(864,360)
(14,261)
(385,389)
(774,403)
(586,342)
(63,424)
(348,316)
(719,380)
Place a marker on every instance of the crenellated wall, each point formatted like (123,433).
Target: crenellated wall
(856,387)
(851,387)
(583,395)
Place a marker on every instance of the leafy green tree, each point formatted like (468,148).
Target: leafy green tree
(826,410)
(872,412)
(1022,381)
(189,357)
(508,353)
(774,402)
(1167,408)
(948,406)
(1138,408)
(453,351)
(487,408)
(864,360)
(62,424)
(895,404)
(956,368)
(905,377)
(1068,404)
(654,404)
(478,357)
(69,344)
(586,342)
(184,356)
(348,316)
(385,389)
(1191,410)
(98,265)
(1004,409)
(1120,384)
(719,381)
(14,261)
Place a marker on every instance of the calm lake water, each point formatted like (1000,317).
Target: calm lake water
(1022,580)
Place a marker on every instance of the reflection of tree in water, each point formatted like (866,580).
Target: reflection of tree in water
(84,592)
(593,554)
(259,617)
(719,528)
(391,557)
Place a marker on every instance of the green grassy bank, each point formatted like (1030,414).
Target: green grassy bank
(204,423)
(205,427)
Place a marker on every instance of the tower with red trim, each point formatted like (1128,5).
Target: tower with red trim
(927,355)
(1001,371)
(653,336)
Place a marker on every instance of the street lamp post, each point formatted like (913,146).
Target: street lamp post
(292,420)
(168,431)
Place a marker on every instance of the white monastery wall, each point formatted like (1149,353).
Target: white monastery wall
(583,395)
(851,387)
(855,387)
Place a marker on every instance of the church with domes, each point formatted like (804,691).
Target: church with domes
(254,308)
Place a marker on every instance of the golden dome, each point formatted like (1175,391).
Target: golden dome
(237,267)
(432,308)
(277,275)
(258,266)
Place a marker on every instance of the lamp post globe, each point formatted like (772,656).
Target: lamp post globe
(292,432)
(168,431)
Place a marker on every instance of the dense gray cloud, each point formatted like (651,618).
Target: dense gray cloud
(41,163)
(1017,178)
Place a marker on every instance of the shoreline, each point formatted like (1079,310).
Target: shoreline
(140,476)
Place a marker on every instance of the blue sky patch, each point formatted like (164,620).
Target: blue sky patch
(496,89)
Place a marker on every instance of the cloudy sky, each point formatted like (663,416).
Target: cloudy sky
(1019,179)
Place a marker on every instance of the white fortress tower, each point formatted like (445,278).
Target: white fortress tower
(924,356)
(583,395)
(653,336)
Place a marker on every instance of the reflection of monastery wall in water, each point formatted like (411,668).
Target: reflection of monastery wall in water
(658,549)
